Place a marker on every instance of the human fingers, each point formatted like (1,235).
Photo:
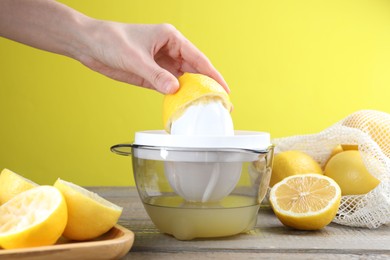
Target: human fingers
(117,74)
(195,59)
(177,68)
(190,58)
(161,79)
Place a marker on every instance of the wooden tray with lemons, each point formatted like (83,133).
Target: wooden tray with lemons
(62,221)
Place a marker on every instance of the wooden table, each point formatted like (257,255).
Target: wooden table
(269,240)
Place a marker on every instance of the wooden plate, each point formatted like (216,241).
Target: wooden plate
(112,245)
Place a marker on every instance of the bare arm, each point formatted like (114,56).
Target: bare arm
(150,56)
(46,25)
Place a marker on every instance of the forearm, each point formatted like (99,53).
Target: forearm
(44,24)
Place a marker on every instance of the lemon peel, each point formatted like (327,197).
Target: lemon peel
(89,215)
(11,184)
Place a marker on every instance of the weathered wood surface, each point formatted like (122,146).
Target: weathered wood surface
(269,240)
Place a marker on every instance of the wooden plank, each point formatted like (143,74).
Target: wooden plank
(238,255)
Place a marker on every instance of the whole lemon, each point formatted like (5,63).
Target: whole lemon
(348,170)
(290,163)
(341,148)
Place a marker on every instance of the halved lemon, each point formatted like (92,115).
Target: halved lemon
(89,215)
(36,217)
(11,184)
(194,88)
(306,202)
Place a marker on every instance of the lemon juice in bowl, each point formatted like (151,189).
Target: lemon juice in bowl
(186,220)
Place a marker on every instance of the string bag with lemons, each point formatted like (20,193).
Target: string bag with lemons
(193,177)
(355,152)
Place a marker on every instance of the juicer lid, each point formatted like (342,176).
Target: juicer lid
(241,140)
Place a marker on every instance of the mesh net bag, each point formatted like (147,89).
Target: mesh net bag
(370,130)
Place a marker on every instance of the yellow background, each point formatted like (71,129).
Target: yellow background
(294,67)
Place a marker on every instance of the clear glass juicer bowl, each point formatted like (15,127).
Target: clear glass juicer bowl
(199,187)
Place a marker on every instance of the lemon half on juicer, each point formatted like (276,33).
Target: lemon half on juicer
(194,88)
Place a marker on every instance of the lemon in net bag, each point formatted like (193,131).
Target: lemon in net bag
(370,130)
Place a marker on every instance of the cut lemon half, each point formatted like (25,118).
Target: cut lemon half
(194,88)
(306,202)
(36,217)
(11,184)
(89,215)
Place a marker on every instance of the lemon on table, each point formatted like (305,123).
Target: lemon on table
(290,163)
(193,88)
(306,201)
(348,170)
(89,215)
(36,217)
(11,184)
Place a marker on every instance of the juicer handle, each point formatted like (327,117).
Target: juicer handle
(122,149)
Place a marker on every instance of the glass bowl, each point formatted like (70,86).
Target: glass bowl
(196,188)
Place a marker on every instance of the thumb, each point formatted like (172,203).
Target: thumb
(161,79)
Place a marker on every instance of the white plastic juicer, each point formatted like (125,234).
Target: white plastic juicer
(201,186)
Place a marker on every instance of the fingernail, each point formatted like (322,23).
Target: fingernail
(227,89)
(170,87)
(166,87)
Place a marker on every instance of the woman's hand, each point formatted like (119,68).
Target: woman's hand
(150,56)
